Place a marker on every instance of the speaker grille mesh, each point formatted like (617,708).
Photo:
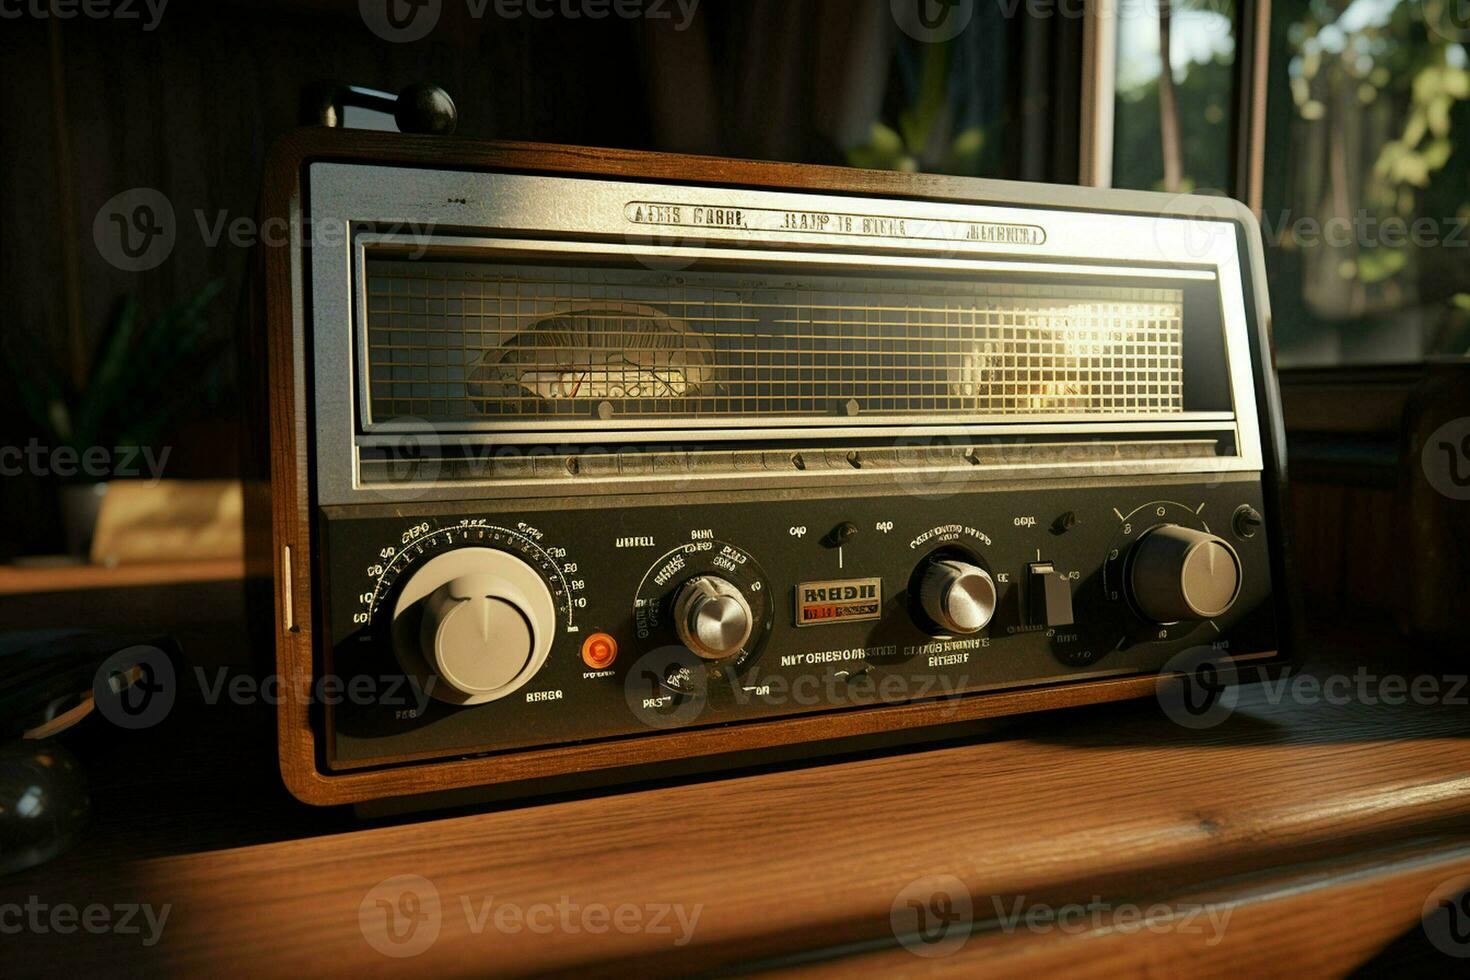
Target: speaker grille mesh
(455,342)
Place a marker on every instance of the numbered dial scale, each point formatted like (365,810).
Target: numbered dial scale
(601,619)
(476,606)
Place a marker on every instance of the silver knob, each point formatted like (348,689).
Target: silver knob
(958,596)
(712,618)
(483,627)
(1180,574)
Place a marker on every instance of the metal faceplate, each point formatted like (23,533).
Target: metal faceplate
(832,584)
(1018,364)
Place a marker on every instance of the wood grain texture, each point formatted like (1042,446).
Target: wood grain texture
(1323,827)
(292,535)
(1344,538)
(1326,920)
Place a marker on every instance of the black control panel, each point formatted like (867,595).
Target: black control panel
(520,625)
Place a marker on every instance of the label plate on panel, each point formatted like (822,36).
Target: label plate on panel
(839,601)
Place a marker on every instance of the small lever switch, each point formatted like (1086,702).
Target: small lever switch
(1049,596)
(840,535)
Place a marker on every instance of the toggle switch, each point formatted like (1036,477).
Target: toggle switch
(840,535)
(1065,523)
(1049,596)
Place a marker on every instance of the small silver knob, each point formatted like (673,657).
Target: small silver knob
(712,618)
(958,596)
(1181,574)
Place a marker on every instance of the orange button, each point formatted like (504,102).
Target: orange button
(599,651)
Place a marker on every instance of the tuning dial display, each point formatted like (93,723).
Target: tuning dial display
(959,597)
(712,618)
(1179,574)
(481,621)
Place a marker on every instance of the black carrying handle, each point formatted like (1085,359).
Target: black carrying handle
(419,108)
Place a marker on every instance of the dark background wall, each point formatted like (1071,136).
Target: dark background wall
(91,107)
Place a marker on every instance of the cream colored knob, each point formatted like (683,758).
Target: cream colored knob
(712,617)
(485,622)
(958,596)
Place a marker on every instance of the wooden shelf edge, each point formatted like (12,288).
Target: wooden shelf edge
(76,578)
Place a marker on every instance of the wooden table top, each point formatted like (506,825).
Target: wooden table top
(1290,837)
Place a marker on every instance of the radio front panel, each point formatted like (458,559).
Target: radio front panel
(586,473)
(833,588)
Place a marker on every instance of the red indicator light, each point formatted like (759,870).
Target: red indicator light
(599,651)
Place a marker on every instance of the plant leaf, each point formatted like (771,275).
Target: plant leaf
(139,377)
(107,374)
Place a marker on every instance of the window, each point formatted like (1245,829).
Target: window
(1367,197)
(1172,131)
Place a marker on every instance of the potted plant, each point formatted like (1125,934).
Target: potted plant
(141,377)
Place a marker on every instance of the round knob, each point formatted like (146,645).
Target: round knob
(958,596)
(712,618)
(1179,573)
(480,621)
(425,108)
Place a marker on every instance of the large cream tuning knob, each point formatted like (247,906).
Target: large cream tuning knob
(712,618)
(479,621)
(1178,574)
(958,596)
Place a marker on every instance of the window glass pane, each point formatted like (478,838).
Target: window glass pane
(1172,131)
(972,88)
(940,111)
(1368,180)
(938,93)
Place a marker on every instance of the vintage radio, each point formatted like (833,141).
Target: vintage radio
(596,464)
